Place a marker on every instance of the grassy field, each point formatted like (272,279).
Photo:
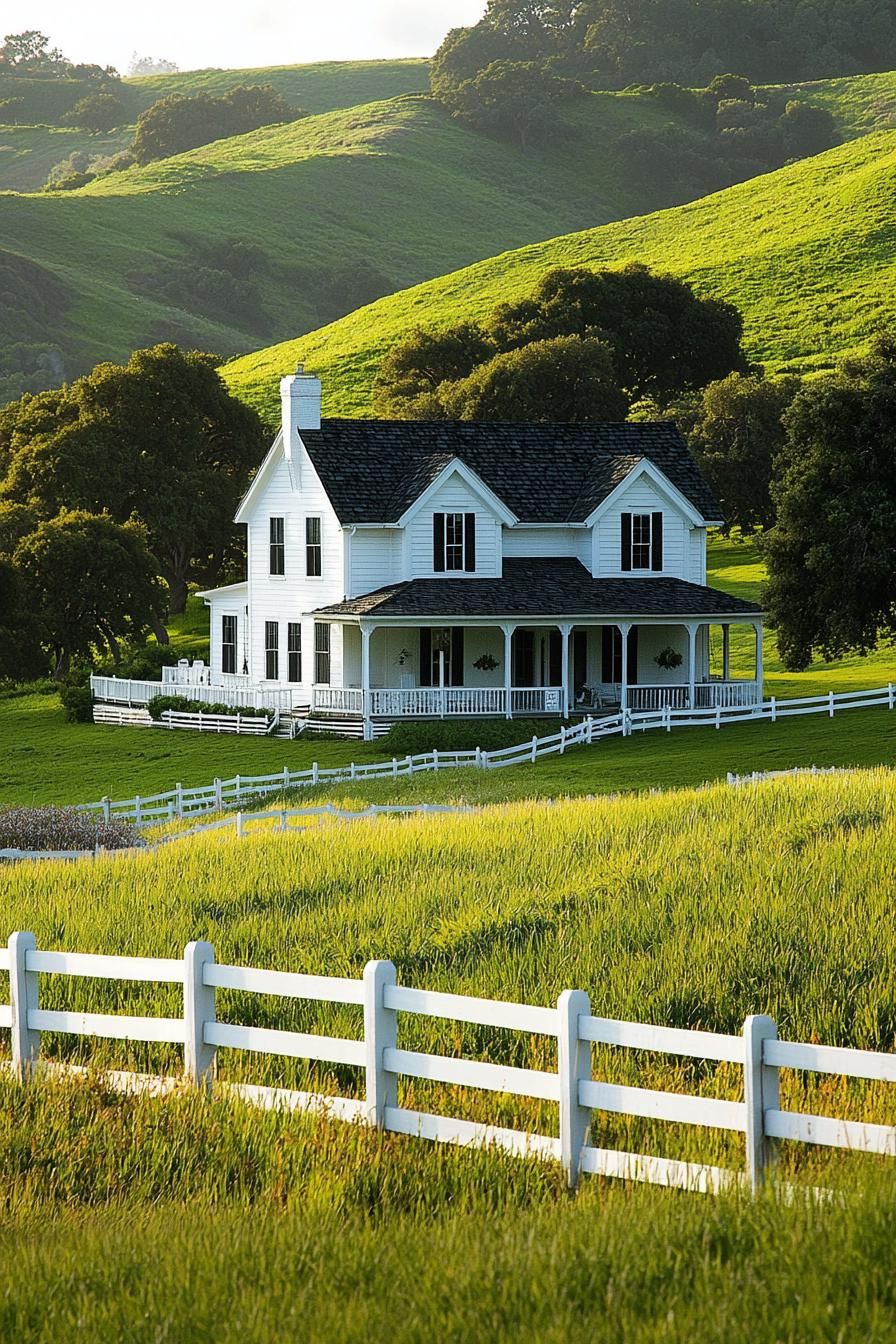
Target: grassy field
(50,761)
(126,1217)
(806,253)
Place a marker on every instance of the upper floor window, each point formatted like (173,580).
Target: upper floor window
(454,542)
(271,650)
(278,546)
(313,552)
(642,541)
(228,643)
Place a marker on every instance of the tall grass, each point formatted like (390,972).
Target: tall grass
(691,909)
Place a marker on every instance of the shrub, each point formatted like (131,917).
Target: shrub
(42,828)
(410,739)
(180,704)
(77,701)
(98,112)
(11,690)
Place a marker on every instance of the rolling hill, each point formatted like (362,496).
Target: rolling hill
(807,253)
(266,236)
(337,209)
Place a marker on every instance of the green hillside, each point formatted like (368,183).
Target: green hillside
(340,208)
(807,253)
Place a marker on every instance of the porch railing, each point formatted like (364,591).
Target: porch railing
(122,691)
(658,697)
(434,702)
(727,694)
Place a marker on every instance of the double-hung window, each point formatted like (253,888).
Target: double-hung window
(294,651)
(271,650)
(322,653)
(228,643)
(313,550)
(454,543)
(278,546)
(642,541)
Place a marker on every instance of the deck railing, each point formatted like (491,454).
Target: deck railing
(757,1053)
(122,691)
(437,702)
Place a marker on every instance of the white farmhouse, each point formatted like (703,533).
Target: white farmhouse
(401,569)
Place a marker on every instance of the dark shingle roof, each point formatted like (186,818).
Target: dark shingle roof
(373,470)
(545,587)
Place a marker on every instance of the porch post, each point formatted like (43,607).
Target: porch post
(757,626)
(366,632)
(726,652)
(564,667)
(624,627)
(692,663)
(507,631)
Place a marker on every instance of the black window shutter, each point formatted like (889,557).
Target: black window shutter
(608,632)
(425,656)
(555,658)
(470,541)
(656,537)
(579,659)
(438,543)
(632,660)
(626,541)
(457,655)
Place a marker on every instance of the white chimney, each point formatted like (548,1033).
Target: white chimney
(300,402)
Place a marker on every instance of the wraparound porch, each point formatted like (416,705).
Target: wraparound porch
(431,669)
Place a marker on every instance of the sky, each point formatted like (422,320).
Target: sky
(199,33)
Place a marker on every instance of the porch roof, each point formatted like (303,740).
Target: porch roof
(541,588)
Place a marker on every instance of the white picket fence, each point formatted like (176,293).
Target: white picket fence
(580,1097)
(180,802)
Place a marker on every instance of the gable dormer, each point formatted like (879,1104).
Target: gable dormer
(453,528)
(646,527)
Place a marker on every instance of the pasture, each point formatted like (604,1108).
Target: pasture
(208,1220)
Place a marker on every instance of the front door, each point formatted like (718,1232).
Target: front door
(435,643)
(537,658)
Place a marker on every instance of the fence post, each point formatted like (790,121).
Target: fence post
(562,739)
(286,776)
(535,749)
(589,731)
(394,767)
(315,772)
(761,1094)
(380,1034)
(107,804)
(239,825)
(718,716)
(23,999)
(199,1009)
(574,1067)
(138,811)
(219,794)
(179,800)
(774,705)
(830,704)
(889,695)
(435,759)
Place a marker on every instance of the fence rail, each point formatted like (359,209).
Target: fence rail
(571,1086)
(180,802)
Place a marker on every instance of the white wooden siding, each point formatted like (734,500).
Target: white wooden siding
(375,559)
(294,595)
(454,496)
(227,605)
(642,496)
(523,541)
(698,555)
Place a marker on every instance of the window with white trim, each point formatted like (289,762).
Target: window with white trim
(454,543)
(228,644)
(278,546)
(322,653)
(294,651)
(642,541)
(272,650)
(313,548)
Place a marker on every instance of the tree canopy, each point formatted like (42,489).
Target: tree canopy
(557,381)
(180,122)
(159,439)
(660,337)
(832,552)
(89,581)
